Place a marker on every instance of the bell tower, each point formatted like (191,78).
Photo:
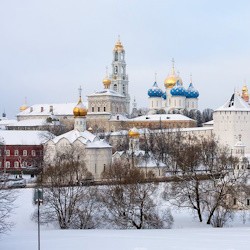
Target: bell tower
(119,78)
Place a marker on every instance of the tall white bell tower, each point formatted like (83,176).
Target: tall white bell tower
(119,78)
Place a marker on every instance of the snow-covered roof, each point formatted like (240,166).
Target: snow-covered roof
(45,109)
(162,117)
(30,123)
(235,103)
(118,117)
(74,135)
(146,130)
(209,123)
(21,137)
(107,92)
(5,122)
(98,144)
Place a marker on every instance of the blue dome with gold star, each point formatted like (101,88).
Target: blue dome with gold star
(155,91)
(178,90)
(192,92)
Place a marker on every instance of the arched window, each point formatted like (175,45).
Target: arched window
(115,87)
(16,164)
(116,56)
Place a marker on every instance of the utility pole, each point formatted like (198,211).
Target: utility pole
(38,199)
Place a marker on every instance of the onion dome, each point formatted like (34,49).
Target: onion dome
(106,81)
(90,129)
(118,46)
(24,106)
(245,94)
(133,133)
(172,79)
(155,91)
(80,109)
(178,90)
(192,92)
(164,95)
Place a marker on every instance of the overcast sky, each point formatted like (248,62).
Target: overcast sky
(48,48)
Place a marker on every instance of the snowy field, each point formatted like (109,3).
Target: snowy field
(186,234)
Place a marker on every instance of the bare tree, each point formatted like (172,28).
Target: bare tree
(7,198)
(65,200)
(129,202)
(205,179)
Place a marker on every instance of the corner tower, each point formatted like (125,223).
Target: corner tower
(119,78)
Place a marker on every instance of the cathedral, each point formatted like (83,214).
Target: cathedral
(175,96)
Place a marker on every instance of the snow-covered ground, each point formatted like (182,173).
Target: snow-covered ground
(186,234)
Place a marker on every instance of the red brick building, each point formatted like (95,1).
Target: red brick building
(20,149)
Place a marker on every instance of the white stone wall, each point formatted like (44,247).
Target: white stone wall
(98,159)
(228,125)
(155,103)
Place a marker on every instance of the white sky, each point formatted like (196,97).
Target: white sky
(48,48)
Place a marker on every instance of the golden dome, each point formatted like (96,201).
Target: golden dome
(170,81)
(118,46)
(23,107)
(133,133)
(106,82)
(245,94)
(79,109)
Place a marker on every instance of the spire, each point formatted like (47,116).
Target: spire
(191,78)
(80,93)
(173,71)
(155,76)
(106,81)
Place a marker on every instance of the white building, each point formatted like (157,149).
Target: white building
(86,147)
(175,95)
(232,120)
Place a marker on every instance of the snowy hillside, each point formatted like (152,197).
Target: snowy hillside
(186,234)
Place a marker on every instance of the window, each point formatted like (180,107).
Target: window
(16,153)
(104,167)
(33,152)
(235,201)
(7,152)
(104,109)
(248,202)
(7,164)
(98,109)
(115,87)
(16,164)
(24,152)
(0,164)
(93,109)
